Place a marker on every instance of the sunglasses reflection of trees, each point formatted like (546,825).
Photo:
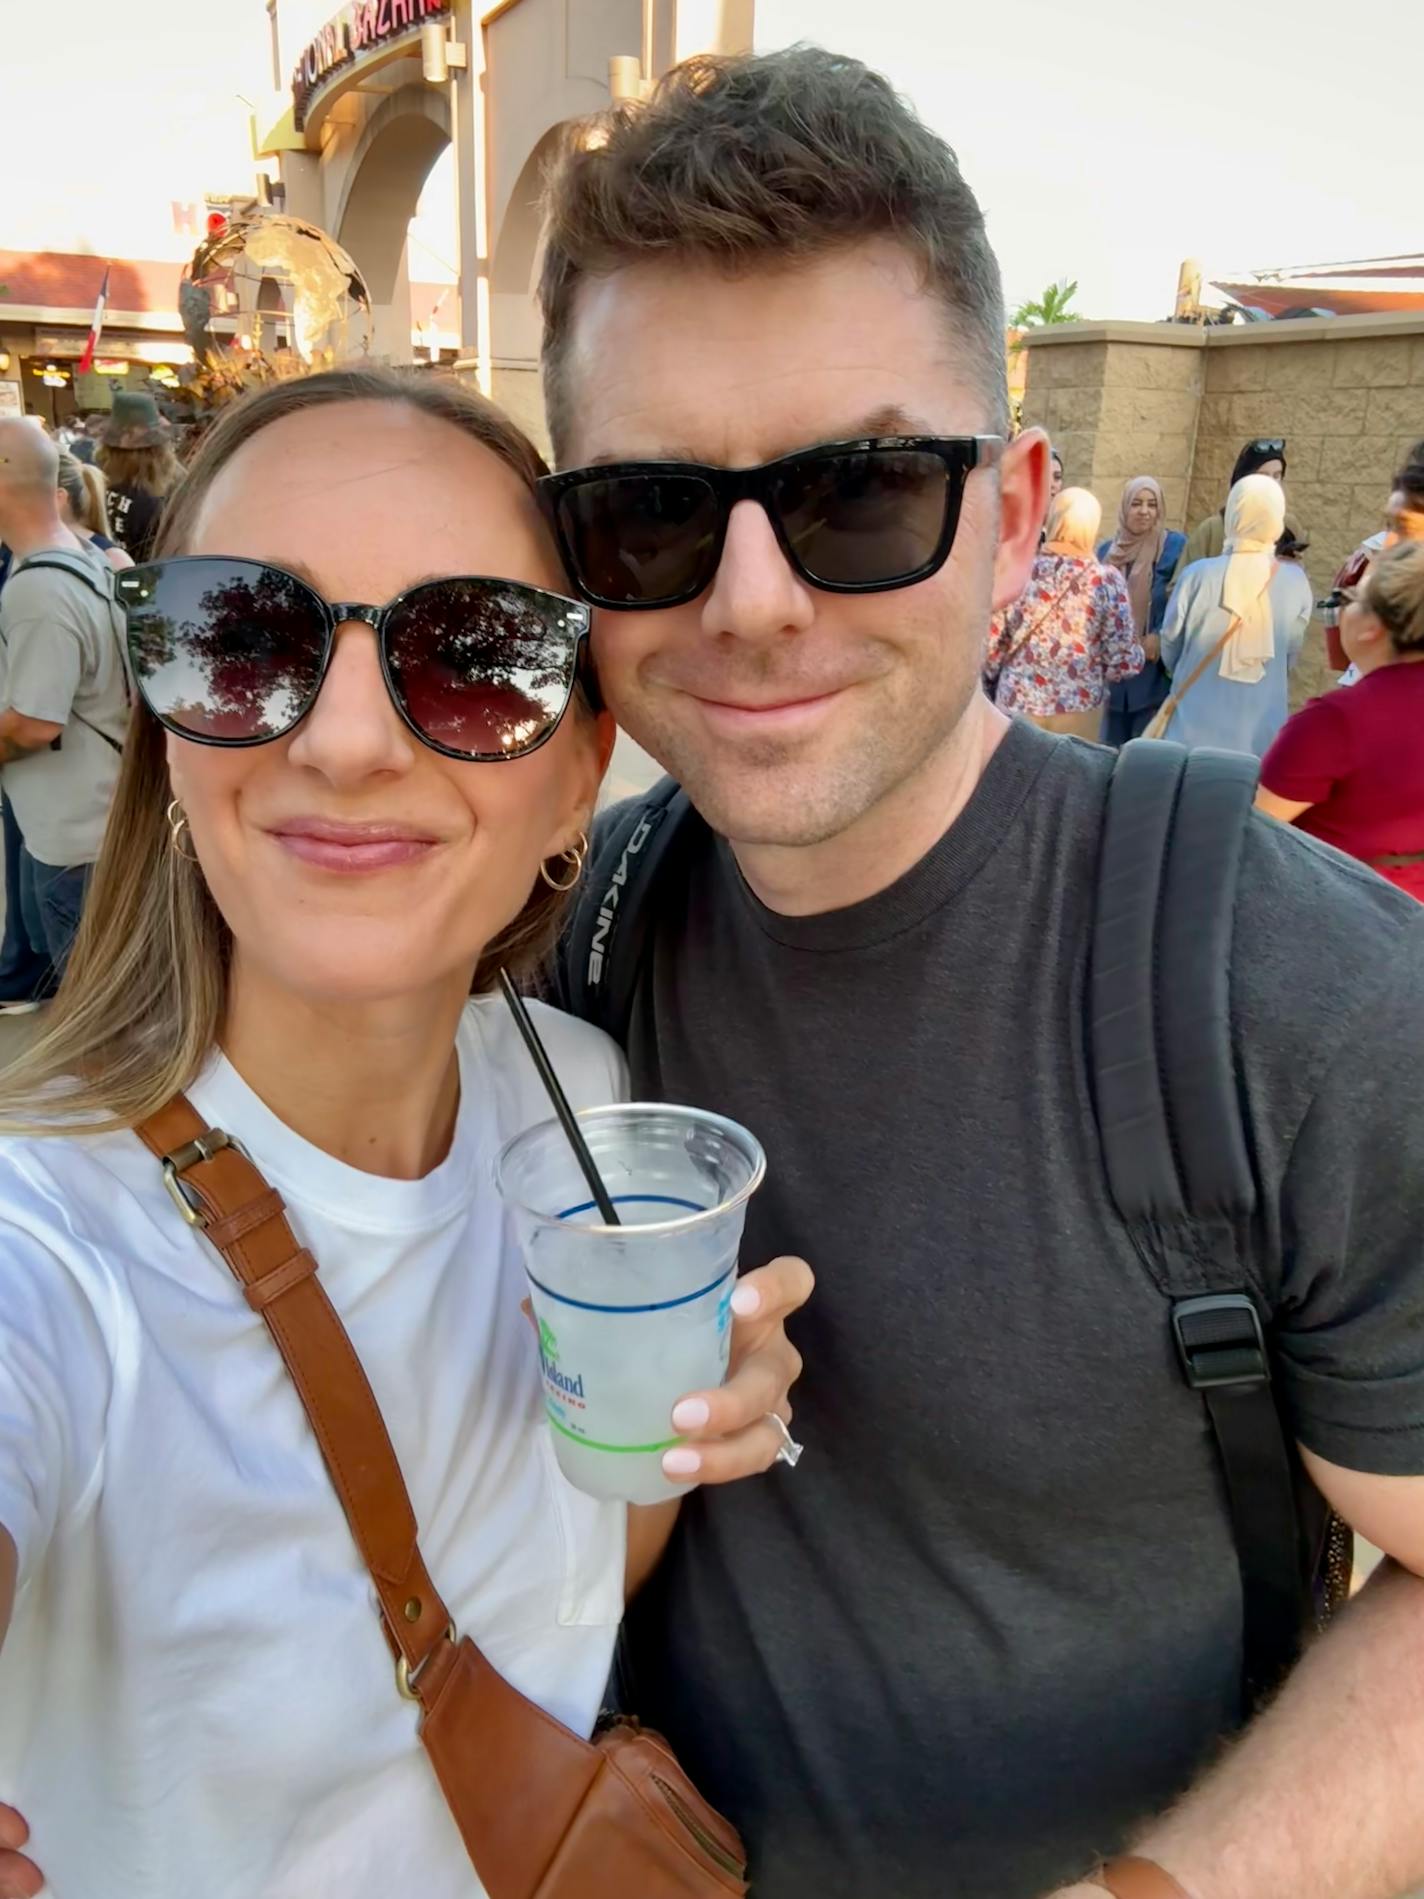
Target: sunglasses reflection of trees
(477,669)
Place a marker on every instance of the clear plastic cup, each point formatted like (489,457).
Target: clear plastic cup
(633,1317)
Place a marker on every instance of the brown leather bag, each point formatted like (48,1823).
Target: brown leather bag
(543,1814)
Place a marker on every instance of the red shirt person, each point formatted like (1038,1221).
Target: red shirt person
(1349,767)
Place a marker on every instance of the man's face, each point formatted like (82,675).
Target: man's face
(786,711)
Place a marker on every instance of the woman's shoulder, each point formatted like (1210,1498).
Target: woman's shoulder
(68,1200)
(589,1064)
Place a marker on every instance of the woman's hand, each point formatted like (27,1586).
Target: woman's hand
(729,1432)
(1152,647)
(20,1878)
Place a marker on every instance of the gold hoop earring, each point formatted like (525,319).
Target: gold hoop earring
(177,824)
(575,857)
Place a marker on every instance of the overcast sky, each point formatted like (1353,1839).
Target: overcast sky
(1107,140)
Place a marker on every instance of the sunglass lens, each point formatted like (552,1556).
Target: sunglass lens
(483,668)
(226,651)
(867,519)
(639,540)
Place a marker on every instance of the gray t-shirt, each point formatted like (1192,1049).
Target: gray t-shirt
(993,1619)
(64,662)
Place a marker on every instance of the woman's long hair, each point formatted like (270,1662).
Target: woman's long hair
(144,993)
(87,493)
(151,471)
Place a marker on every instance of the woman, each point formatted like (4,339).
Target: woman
(1145,553)
(1349,767)
(1234,629)
(1054,653)
(136,455)
(1265,456)
(287,922)
(83,507)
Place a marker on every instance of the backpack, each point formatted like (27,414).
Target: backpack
(1169,1112)
(61,560)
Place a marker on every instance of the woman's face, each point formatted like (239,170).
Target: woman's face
(1276,469)
(364,499)
(1055,478)
(1142,511)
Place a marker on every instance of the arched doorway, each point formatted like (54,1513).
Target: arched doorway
(398,146)
(514,274)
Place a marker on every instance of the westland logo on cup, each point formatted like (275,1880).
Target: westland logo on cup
(567,1388)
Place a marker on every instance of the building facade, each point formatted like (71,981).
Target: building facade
(361,109)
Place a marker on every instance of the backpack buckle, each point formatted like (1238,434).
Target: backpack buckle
(1220,1341)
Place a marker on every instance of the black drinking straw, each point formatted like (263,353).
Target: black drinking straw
(608,1213)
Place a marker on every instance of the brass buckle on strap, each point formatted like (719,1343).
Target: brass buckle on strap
(210,1142)
(407,1677)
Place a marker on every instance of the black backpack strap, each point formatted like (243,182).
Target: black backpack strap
(601,959)
(1174,1141)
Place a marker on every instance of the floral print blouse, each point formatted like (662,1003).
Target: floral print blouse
(1064,641)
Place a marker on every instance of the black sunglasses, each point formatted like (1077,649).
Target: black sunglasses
(233,652)
(851,517)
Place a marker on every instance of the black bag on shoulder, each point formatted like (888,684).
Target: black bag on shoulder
(1170,1114)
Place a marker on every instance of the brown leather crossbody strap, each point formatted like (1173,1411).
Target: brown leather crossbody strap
(221,1193)
(1137,1879)
(543,1814)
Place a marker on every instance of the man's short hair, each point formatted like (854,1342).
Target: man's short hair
(760,160)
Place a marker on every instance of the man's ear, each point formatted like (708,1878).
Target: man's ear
(1023,502)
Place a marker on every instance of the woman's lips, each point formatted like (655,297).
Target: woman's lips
(351,848)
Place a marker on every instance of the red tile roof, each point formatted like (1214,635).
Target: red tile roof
(68,280)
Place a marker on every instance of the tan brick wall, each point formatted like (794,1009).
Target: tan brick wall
(1347,395)
(1116,410)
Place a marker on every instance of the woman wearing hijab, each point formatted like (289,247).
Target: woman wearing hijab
(1234,629)
(1053,655)
(1265,456)
(1146,554)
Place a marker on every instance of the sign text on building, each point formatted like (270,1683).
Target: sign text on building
(357,29)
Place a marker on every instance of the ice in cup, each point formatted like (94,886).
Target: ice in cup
(633,1317)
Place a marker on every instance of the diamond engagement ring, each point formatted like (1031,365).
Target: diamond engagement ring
(789,1451)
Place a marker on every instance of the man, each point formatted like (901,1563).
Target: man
(992,1624)
(65,690)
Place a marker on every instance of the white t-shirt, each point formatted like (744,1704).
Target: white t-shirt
(196,1695)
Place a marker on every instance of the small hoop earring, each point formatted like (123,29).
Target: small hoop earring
(574,856)
(177,824)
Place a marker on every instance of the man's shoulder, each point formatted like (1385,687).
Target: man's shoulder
(58,583)
(1318,934)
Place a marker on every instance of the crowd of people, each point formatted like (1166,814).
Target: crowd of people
(1194,637)
(990,1637)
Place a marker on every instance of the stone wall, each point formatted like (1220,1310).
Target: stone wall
(1346,393)
(1118,406)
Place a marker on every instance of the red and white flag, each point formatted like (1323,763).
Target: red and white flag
(96,327)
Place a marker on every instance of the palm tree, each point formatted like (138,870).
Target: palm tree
(1051,307)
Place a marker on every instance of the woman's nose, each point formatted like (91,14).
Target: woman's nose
(353,732)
